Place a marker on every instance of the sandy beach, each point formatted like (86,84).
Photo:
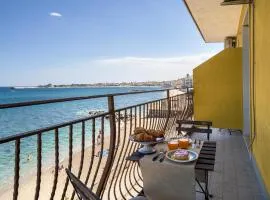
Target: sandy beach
(175,92)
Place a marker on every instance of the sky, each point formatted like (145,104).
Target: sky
(88,41)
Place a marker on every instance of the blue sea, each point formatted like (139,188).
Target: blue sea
(18,120)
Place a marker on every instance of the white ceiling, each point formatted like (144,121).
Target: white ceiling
(215,22)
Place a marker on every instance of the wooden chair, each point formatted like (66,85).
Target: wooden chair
(191,127)
(82,191)
(205,164)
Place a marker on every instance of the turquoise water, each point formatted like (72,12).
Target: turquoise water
(18,120)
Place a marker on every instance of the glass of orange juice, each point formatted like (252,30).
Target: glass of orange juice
(173,144)
(183,143)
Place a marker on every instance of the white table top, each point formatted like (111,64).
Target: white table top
(168,180)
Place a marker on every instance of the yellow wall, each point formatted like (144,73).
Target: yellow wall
(239,36)
(261,77)
(218,89)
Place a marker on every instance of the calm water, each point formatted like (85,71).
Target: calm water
(17,120)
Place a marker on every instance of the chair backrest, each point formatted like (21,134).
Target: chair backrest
(201,123)
(83,192)
(191,127)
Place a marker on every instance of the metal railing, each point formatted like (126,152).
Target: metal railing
(101,165)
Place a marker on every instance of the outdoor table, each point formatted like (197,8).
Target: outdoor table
(168,180)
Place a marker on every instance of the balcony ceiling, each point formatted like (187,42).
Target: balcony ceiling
(215,22)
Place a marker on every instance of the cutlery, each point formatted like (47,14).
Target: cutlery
(164,155)
(156,156)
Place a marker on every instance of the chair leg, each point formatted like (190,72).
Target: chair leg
(200,186)
(207,194)
(205,190)
(206,185)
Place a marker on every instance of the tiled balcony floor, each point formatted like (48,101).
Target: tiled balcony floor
(234,177)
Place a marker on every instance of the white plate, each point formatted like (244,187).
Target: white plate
(191,157)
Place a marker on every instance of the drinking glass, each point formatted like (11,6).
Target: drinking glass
(183,143)
(172,144)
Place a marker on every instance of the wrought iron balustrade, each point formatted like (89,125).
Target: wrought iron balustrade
(100,162)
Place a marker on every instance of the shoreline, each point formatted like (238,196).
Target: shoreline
(94,86)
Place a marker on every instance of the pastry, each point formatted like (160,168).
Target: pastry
(148,138)
(139,137)
(139,130)
(143,135)
(160,133)
(151,132)
(181,155)
(156,133)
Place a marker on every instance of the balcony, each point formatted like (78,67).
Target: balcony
(96,148)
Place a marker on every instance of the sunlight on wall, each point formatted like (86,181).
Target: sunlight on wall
(218,90)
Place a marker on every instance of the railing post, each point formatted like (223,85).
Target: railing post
(191,96)
(110,159)
(188,96)
(169,109)
(189,102)
(17,169)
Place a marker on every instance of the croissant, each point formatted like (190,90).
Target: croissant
(155,133)
(139,130)
(151,132)
(148,138)
(139,137)
(160,133)
(143,135)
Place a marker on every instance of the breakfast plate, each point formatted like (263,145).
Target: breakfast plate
(192,156)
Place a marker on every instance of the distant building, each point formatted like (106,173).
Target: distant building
(167,84)
(186,82)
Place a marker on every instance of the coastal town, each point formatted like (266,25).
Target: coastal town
(181,83)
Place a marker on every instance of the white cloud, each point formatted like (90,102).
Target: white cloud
(163,62)
(136,68)
(55,14)
(110,70)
